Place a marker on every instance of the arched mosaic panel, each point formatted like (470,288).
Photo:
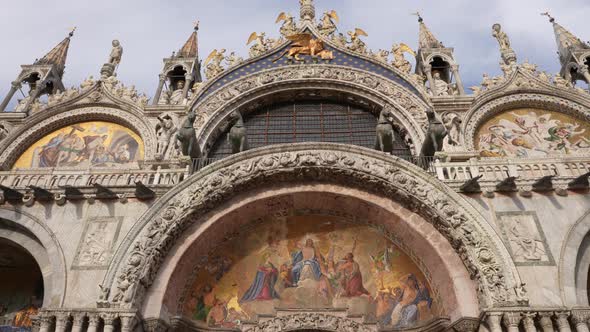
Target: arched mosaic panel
(532,133)
(309,262)
(86,144)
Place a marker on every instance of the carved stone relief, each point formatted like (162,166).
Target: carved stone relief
(136,265)
(525,238)
(97,243)
(217,107)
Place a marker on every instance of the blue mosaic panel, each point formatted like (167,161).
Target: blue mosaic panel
(340,58)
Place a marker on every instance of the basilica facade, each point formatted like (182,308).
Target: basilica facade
(317,185)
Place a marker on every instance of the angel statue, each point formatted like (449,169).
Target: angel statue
(381,56)
(213,65)
(233,60)
(399,61)
(327,26)
(288,28)
(259,47)
(356,44)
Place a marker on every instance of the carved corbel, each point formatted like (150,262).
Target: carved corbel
(60,199)
(29,198)
(525,191)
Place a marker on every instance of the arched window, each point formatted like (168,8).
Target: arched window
(309,121)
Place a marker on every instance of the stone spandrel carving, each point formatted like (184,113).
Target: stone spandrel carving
(526,240)
(490,268)
(97,243)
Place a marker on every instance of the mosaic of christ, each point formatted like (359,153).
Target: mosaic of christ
(533,133)
(306,262)
(96,144)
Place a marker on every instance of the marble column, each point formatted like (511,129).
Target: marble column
(62,319)
(93,321)
(546,322)
(159,90)
(428,72)
(127,323)
(529,322)
(511,320)
(109,322)
(562,322)
(455,70)
(78,321)
(493,319)
(45,323)
(14,86)
(580,320)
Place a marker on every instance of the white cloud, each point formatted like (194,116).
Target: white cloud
(150,30)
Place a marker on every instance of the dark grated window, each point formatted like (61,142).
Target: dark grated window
(308,122)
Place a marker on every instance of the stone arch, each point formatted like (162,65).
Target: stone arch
(215,109)
(40,242)
(45,122)
(496,104)
(574,263)
(139,257)
(450,281)
(444,57)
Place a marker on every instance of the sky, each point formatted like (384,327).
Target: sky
(149,30)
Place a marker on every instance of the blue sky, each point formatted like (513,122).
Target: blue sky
(150,30)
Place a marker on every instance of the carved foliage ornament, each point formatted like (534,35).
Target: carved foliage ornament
(310,321)
(217,106)
(364,169)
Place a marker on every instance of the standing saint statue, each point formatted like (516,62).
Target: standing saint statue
(177,96)
(501,36)
(116,53)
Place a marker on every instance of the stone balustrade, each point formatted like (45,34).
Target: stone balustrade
(489,172)
(531,320)
(49,178)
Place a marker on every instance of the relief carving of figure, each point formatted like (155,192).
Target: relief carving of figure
(530,248)
(327,26)
(96,249)
(288,28)
(87,83)
(501,36)
(452,122)
(399,61)
(382,56)
(356,44)
(165,131)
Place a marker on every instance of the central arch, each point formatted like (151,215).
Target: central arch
(139,258)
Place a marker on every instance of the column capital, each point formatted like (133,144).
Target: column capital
(109,318)
(78,318)
(162,77)
(16,85)
(545,320)
(494,321)
(583,69)
(427,68)
(188,76)
(455,67)
(93,319)
(580,316)
(529,321)
(511,319)
(128,322)
(561,318)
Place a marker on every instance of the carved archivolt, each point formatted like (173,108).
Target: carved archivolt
(484,111)
(137,261)
(49,120)
(215,109)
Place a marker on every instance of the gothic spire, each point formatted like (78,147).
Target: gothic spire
(426,38)
(190,49)
(58,55)
(566,40)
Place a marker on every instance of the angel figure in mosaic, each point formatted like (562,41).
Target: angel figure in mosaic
(213,62)
(259,47)
(327,26)
(288,28)
(399,61)
(356,44)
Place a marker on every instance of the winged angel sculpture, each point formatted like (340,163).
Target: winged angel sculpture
(356,44)
(305,44)
(328,25)
(288,28)
(213,62)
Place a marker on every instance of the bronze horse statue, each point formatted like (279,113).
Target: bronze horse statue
(237,137)
(385,139)
(187,137)
(435,135)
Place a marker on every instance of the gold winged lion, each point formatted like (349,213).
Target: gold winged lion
(302,44)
